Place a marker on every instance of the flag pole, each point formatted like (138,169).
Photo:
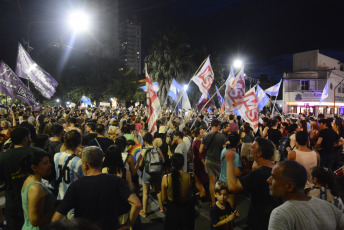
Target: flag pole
(210,99)
(208,102)
(188,85)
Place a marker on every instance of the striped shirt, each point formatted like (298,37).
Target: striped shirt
(73,171)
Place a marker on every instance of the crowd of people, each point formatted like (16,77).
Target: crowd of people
(97,167)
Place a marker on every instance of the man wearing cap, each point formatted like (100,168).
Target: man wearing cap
(212,144)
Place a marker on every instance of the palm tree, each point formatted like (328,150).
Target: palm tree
(170,57)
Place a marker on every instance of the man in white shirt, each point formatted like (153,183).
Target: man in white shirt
(181,148)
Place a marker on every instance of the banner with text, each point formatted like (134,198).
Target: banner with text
(12,86)
(26,68)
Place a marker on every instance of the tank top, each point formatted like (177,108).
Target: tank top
(129,136)
(248,138)
(185,187)
(49,204)
(307,159)
(292,141)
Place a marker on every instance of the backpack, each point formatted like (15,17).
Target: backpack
(153,161)
(337,201)
(283,145)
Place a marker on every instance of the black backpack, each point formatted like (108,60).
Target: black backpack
(153,161)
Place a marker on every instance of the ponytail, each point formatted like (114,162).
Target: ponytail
(326,178)
(177,162)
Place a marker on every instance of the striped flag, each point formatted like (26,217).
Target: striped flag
(274,90)
(261,97)
(324,94)
(153,104)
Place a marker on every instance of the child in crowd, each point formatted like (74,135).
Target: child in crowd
(222,214)
(325,186)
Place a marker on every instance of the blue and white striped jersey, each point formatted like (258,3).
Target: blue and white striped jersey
(73,171)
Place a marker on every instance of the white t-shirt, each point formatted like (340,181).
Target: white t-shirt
(181,148)
(314,214)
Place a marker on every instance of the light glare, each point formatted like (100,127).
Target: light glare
(237,63)
(79,21)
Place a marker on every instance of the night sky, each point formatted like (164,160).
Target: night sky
(264,34)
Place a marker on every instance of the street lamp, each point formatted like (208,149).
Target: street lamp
(79,21)
(57,100)
(186,87)
(237,63)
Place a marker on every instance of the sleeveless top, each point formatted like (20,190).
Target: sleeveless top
(125,160)
(248,138)
(292,139)
(185,187)
(307,159)
(129,136)
(49,204)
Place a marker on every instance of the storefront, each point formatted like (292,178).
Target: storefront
(314,107)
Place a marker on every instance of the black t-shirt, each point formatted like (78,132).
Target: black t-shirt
(275,136)
(213,152)
(88,137)
(329,137)
(104,143)
(262,203)
(96,198)
(217,215)
(10,173)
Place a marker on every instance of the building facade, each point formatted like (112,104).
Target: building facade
(130,44)
(302,89)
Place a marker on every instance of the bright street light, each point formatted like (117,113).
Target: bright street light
(186,87)
(79,21)
(68,102)
(111,98)
(57,100)
(237,64)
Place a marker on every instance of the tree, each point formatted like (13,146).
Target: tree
(170,58)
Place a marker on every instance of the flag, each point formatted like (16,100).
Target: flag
(202,101)
(153,105)
(236,92)
(204,78)
(186,103)
(175,89)
(249,110)
(221,100)
(86,100)
(262,98)
(274,90)
(324,94)
(230,78)
(155,87)
(12,86)
(26,68)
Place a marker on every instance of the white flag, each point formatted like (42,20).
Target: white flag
(153,104)
(234,96)
(249,109)
(204,78)
(186,103)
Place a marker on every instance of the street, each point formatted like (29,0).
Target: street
(155,219)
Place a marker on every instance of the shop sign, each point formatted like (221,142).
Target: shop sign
(299,96)
(339,98)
